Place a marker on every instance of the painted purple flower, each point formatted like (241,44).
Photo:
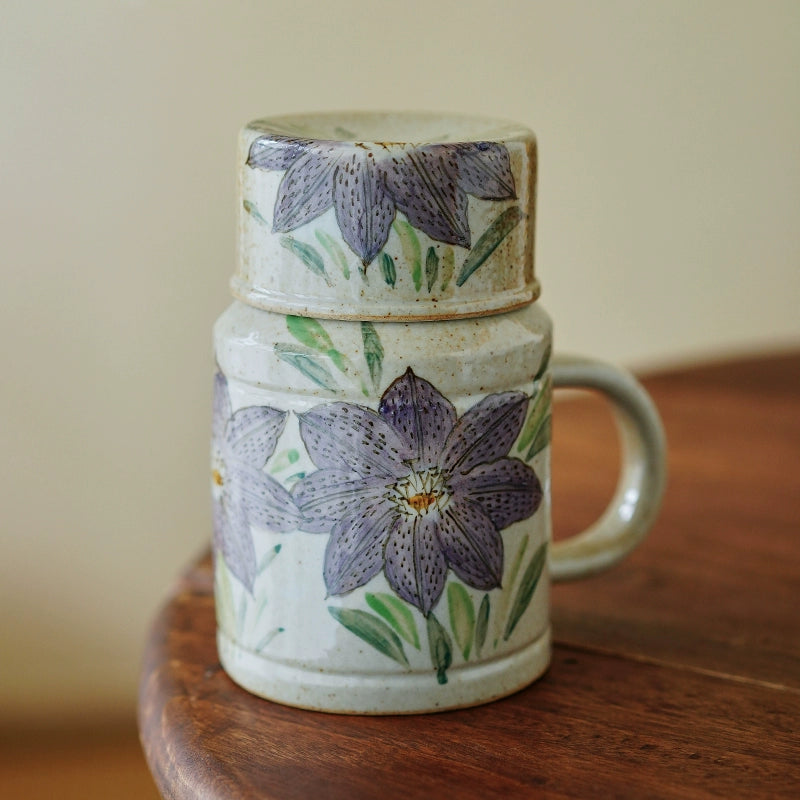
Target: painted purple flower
(414,490)
(367,183)
(242,493)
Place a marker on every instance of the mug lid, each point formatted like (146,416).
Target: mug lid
(386,215)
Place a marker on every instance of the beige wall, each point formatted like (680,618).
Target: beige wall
(667,230)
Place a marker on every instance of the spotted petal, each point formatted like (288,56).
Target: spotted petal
(485,432)
(327,495)
(471,544)
(350,437)
(252,433)
(275,152)
(484,170)
(415,565)
(420,414)
(222,408)
(233,537)
(266,503)
(424,184)
(306,190)
(363,207)
(506,490)
(355,550)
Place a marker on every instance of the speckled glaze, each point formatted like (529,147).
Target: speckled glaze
(381,448)
(275,277)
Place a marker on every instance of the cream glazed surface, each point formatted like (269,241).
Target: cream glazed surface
(380,467)
(368,625)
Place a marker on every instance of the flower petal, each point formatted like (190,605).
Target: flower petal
(364,209)
(266,503)
(415,564)
(485,432)
(471,544)
(232,533)
(420,414)
(222,408)
(355,550)
(275,152)
(327,495)
(350,437)
(507,490)
(306,190)
(484,170)
(424,184)
(219,522)
(252,433)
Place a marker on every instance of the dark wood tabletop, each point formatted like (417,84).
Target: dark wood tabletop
(674,675)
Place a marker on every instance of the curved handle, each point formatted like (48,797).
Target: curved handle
(633,509)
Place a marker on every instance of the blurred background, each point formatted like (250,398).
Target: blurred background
(669,192)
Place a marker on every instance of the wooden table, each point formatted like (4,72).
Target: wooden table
(677,674)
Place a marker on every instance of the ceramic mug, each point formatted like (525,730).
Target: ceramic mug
(381,481)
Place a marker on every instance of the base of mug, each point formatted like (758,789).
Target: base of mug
(386,693)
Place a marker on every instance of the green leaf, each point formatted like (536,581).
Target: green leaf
(462,617)
(267,638)
(373,352)
(431,267)
(308,255)
(416,275)
(334,251)
(527,586)
(242,612)
(448,266)
(489,241)
(545,363)
(268,558)
(412,253)
(482,624)
(307,362)
(284,460)
(517,563)
(262,605)
(542,438)
(388,270)
(397,614)
(309,332)
(251,209)
(536,415)
(441,648)
(375,632)
(298,476)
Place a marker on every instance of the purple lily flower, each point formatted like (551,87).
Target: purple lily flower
(414,490)
(242,493)
(367,183)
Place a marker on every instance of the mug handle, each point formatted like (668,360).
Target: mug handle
(633,509)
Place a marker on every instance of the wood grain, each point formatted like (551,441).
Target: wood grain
(716,585)
(675,675)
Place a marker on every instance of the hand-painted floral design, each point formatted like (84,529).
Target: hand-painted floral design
(366,184)
(242,493)
(415,491)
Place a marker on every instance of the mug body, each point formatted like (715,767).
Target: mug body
(381,508)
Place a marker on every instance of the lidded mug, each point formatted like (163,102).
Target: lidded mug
(382,406)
